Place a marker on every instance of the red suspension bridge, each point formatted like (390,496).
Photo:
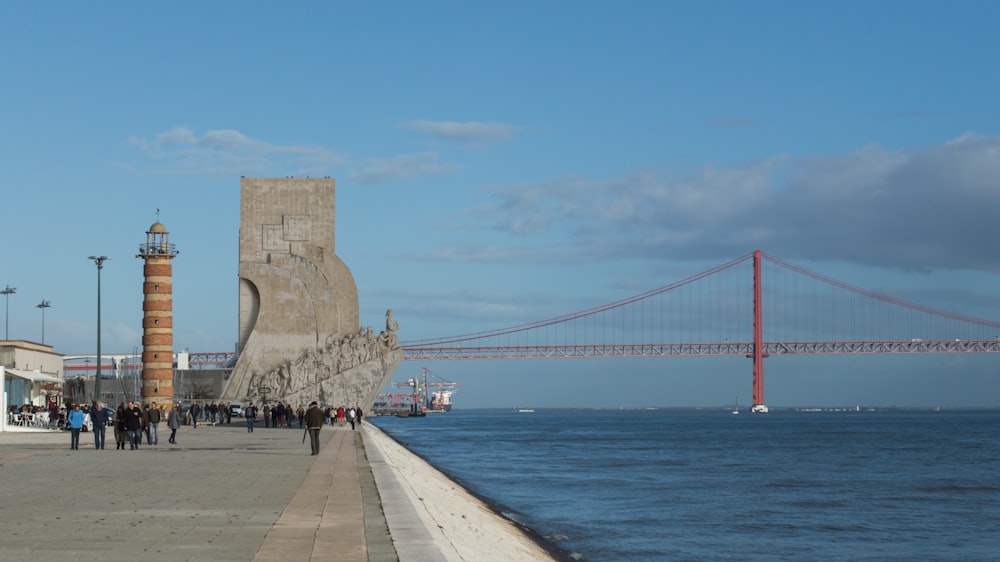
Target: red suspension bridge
(727,310)
(755,306)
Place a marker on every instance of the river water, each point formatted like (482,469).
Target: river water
(669,484)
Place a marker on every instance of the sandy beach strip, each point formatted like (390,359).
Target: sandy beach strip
(456,523)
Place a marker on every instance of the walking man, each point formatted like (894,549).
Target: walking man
(194,411)
(174,422)
(251,415)
(75,420)
(154,424)
(145,425)
(314,422)
(133,421)
(100,419)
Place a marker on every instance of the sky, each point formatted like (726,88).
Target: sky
(499,163)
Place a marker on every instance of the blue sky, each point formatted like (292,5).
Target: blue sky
(500,163)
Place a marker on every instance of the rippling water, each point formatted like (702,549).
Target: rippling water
(700,484)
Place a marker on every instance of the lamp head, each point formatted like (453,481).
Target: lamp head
(99,260)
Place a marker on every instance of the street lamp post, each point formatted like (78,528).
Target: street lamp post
(7,292)
(43,305)
(99,261)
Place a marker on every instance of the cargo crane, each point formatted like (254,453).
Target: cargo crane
(435,395)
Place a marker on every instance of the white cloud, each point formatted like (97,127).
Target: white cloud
(468,131)
(230,152)
(917,208)
(176,136)
(402,166)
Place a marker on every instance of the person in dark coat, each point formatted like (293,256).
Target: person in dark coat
(121,430)
(133,422)
(314,423)
(145,425)
(195,411)
(154,425)
(100,420)
(174,421)
(251,416)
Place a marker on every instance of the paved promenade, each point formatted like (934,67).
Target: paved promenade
(220,494)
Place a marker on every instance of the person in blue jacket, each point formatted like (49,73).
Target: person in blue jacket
(75,425)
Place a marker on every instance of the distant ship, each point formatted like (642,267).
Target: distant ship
(441,401)
(433,395)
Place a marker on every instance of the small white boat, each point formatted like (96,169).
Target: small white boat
(525,411)
(736,409)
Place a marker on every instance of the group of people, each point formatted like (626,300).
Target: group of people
(283,415)
(215,413)
(130,422)
(342,416)
(317,418)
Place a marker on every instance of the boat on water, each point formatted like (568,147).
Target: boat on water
(736,409)
(441,401)
(525,411)
(430,392)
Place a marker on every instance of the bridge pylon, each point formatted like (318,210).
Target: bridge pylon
(758,354)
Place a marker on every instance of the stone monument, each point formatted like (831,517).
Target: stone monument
(299,334)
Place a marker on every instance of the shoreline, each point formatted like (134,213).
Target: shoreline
(459,521)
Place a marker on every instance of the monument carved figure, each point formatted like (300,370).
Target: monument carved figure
(299,333)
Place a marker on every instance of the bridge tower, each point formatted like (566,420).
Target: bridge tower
(758,354)
(157,316)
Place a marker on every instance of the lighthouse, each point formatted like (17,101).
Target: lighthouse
(157,316)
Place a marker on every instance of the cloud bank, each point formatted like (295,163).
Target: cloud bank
(465,132)
(229,152)
(914,209)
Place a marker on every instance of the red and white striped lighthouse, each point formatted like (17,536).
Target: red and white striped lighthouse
(157,316)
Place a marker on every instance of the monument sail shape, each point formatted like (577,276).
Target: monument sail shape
(299,334)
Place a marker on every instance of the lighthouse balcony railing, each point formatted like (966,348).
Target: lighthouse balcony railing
(157,249)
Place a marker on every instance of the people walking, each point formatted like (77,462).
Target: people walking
(145,425)
(121,431)
(154,424)
(251,416)
(267,415)
(314,422)
(100,420)
(194,411)
(75,419)
(174,421)
(133,422)
(351,414)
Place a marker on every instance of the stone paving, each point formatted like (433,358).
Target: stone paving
(220,494)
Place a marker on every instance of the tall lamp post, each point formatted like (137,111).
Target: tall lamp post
(7,292)
(43,305)
(99,260)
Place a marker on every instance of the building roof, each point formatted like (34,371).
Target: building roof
(36,376)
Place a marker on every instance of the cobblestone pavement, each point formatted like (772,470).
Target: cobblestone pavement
(220,494)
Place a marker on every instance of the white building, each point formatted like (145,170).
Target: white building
(32,374)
